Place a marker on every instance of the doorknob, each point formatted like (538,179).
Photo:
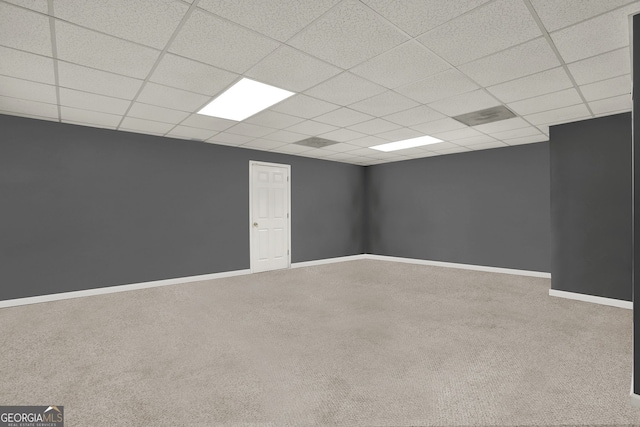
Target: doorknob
(255,224)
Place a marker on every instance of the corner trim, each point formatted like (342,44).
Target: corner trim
(328,261)
(634,399)
(593,299)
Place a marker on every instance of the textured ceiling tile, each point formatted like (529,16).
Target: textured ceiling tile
(437,126)
(193,76)
(160,114)
(558,14)
(145,126)
(230,139)
(559,115)
(502,125)
(248,129)
(286,136)
(457,134)
(280,20)
(26,66)
(527,140)
(595,36)
(517,133)
(341,135)
(474,140)
(25,89)
(454,150)
(550,101)
(417,16)
(31,108)
(518,61)
(220,43)
(414,116)
(488,146)
(485,30)
(187,132)
(368,141)
(533,85)
(292,149)
(273,119)
(601,67)
(262,144)
(303,106)
(401,65)
(345,89)
(92,49)
(348,34)
(24,30)
(610,105)
(442,147)
(374,126)
(342,147)
(37,5)
(93,102)
(290,69)
(149,22)
(399,134)
(85,117)
(465,103)
(310,127)
(607,88)
(343,117)
(177,99)
(439,86)
(96,81)
(208,122)
(384,104)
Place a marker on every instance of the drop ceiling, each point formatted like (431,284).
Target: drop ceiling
(364,72)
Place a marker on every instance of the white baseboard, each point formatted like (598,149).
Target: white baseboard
(591,298)
(328,260)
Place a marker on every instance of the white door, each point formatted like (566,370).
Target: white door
(269,216)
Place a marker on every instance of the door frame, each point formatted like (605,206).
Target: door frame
(279,165)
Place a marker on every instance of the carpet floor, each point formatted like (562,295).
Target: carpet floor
(359,343)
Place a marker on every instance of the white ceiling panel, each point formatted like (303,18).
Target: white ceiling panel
(515,62)
(89,80)
(93,102)
(527,140)
(273,119)
(121,18)
(280,20)
(207,122)
(341,135)
(610,105)
(26,66)
(217,42)
(550,101)
(534,85)
(454,150)
(339,156)
(601,67)
(439,86)
(342,148)
(399,134)
(414,116)
(168,97)
(262,144)
(483,31)
(193,76)
(347,35)
(374,126)
(310,127)
(343,117)
(248,129)
(384,104)
(25,30)
(402,65)
(465,103)
(303,106)
(345,89)
(85,47)
(230,139)
(438,126)
(75,115)
(152,112)
(488,146)
(517,133)
(292,149)
(286,136)
(466,132)
(607,88)
(37,5)
(290,69)
(187,132)
(474,140)
(559,115)
(502,125)
(33,108)
(559,14)
(145,126)
(368,141)
(24,89)
(417,16)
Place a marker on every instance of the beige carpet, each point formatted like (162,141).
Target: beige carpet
(362,343)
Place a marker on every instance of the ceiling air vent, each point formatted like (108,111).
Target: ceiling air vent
(489,115)
(316,142)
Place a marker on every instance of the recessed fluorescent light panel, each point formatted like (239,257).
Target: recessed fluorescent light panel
(244,99)
(407,143)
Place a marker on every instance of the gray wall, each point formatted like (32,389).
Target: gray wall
(486,208)
(88,208)
(591,206)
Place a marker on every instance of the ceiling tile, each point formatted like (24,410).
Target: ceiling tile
(414,116)
(550,101)
(273,119)
(457,134)
(208,122)
(345,89)
(262,144)
(95,50)
(483,31)
(149,22)
(187,132)
(454,150)
(159,114)
(217,42)
(341,135)
(348,34)
(290,69)
(248,129)
(595,36)
(292,149)
(517,133)
(384,104)
(502,125)
(230,139)
(440,146)
(25,89)
(399,134)
(26,66)
(533,85)
(93,102)
(310,127)
(442,85)
(85,117)
(438,126)
(515,62)
(340,156)
(374,126)
(558,14)
(474,140)
(24,30)
(559,115)
(601,67)
(610,105)
(286,136)
(607,88)
(401,65)
(37,5)
(280,20)
(89,80)
(193,76)
(303,106)
(527,140)
(544,129)
(32,108)
(343,117)
(342,148)
(465,103)
(417,16)
(368,141)
(488,145)
(168,97)
(145,126)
